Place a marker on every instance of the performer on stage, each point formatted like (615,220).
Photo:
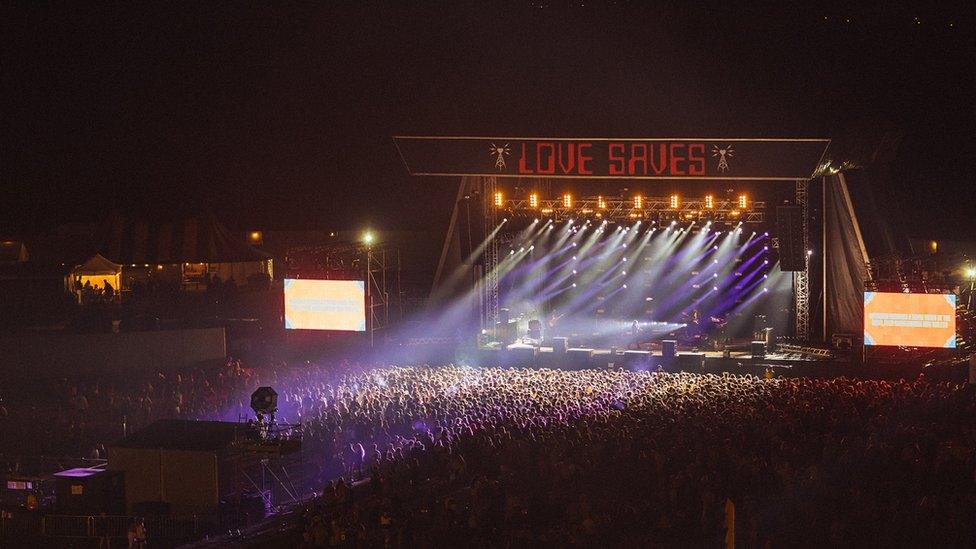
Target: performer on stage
(635,335)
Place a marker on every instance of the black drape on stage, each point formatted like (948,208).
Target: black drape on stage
(847,261)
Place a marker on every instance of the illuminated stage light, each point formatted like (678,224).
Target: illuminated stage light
(574,271)
(625,259)
(368,238)
(715,275)
(532,247)
(970,273)
(715,288)
(765,247)
(567,200)
(765,276)
(601,203)
(714,247)
(522,249)
(765,289)
(511,252)
(574,284)
(533,200)
(709,201)
(743,201)
(715,261)
(625,286)
(574,258)
(765,262)
(574,244)
(499,199)
(766,233)
(809,252)
(673,222)
(675,202)
(623,273)
(638,202)
(734,213)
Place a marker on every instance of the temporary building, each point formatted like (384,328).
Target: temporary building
(96,272)
(191,249)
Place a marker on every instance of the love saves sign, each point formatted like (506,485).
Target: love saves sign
(611,158)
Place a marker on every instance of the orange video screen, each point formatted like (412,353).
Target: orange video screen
(910,320)
(325,305)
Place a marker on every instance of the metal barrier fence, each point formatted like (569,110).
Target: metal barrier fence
(67,526)
(26,526)
(19,526)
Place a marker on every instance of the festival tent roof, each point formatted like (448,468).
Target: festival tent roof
(12,251)
(96,266)
(199,239)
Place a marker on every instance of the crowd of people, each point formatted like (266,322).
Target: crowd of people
(80,417)
(451,455)
(456,455)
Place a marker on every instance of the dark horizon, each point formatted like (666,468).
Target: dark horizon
(283,118)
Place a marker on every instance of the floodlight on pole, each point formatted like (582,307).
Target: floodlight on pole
(368,238)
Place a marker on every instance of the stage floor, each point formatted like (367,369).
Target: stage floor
(687,360)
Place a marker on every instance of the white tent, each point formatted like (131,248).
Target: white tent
(96,272)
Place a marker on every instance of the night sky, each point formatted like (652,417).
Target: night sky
(282,117)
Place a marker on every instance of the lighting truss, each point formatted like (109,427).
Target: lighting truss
(622,209)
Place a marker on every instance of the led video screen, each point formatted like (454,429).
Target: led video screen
(325,305)
(910,320)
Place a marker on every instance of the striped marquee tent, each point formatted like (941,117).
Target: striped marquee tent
(199,246)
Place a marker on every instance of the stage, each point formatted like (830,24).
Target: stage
(789,360)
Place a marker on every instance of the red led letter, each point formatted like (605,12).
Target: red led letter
(677,156)
(584,159)
(549,168)
(616,158)
(522,167)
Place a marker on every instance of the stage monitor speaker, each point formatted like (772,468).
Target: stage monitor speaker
(843,342)
(789,231)
(669,348)
(559,345)
(580,354)
(758,349)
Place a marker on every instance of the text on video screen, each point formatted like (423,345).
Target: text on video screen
(910,320)
(325,305)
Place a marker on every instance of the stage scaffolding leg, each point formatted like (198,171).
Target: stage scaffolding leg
(801,279)
(379,288)
(490,311)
